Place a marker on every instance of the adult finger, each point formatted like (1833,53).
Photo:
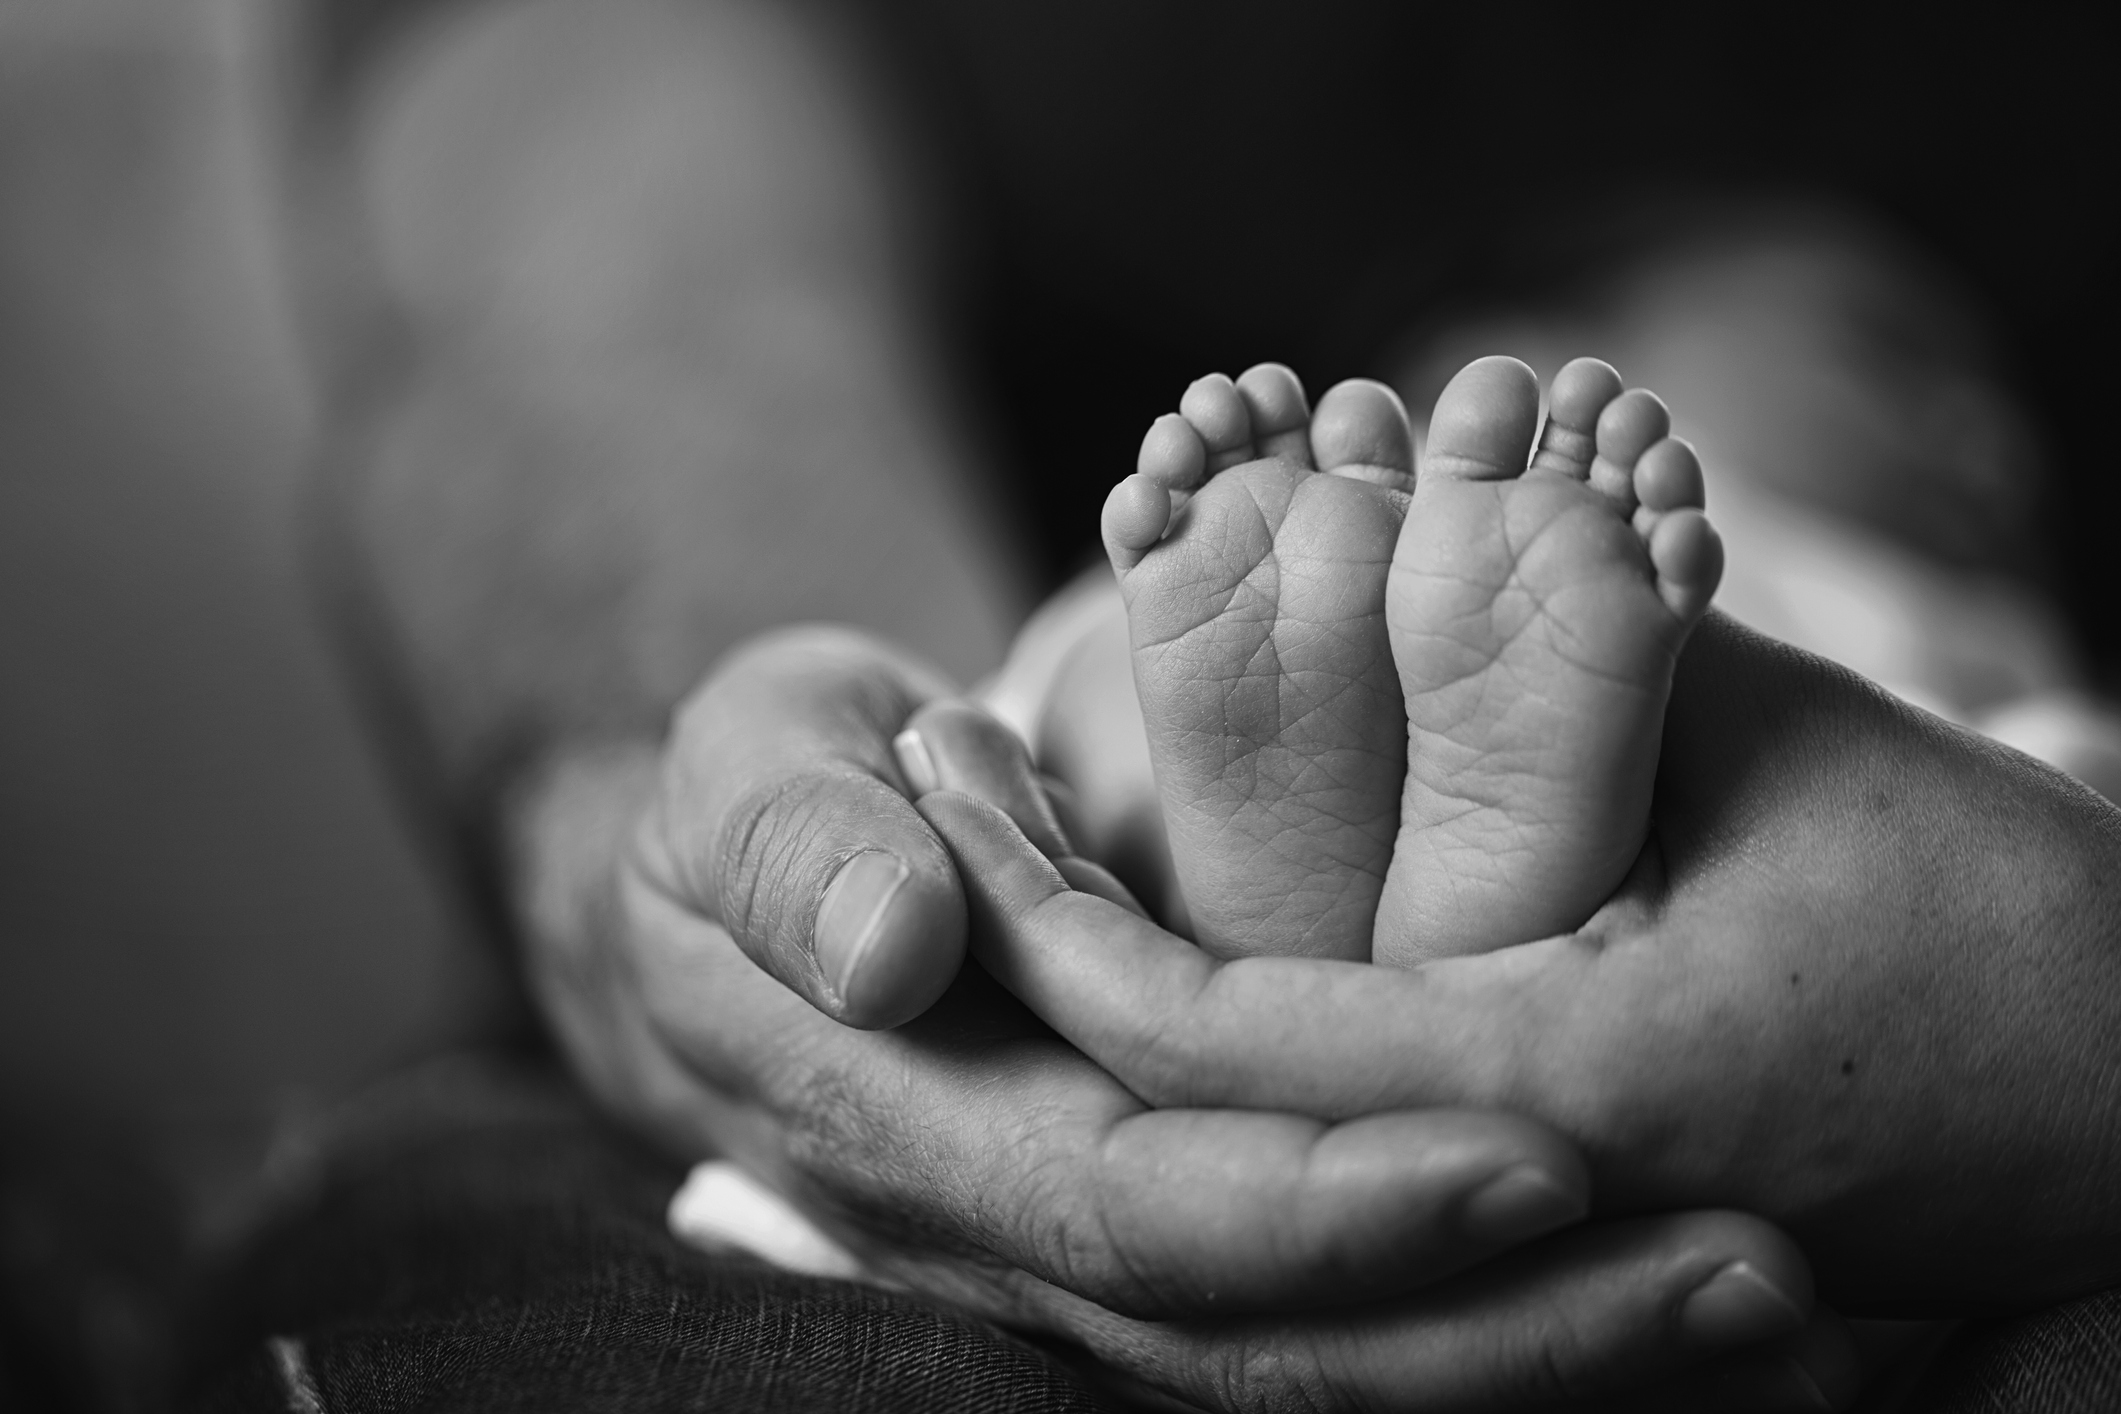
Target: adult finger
(966,1159)
(972,1156)
(1578,1318)
(1178,1027)
(976,1130)
(783,816)
(957,746)
(1849,984)
(951,744)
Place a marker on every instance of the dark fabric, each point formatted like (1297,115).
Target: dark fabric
(477,1240)
(471,1237)
(2063,1361)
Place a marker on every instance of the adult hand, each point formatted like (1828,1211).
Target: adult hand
(1864,981)
(1244,1259)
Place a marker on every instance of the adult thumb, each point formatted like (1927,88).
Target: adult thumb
(783,817)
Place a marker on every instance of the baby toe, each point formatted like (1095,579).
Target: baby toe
(1581,392)
(1668,477)
(1136,514)
(1360,431)
(1687,554)
(1484,420)
(1217,411)
(1280,414)
(1173,454)
(1629,426)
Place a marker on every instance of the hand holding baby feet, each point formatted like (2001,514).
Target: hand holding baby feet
(1537,604)
(1252,549)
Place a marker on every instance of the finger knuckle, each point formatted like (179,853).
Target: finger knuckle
(1061,1218)
(765,868)
(1259,1374)
(876,1178)
(1161,1063)
(1178,1055)
(1547,1361)
(1109,1262)
(1073,1225)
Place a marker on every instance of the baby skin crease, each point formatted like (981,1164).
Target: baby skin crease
(1397,715)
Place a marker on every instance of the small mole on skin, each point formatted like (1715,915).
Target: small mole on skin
(1793,979)
(1848,1067)
(1881,801)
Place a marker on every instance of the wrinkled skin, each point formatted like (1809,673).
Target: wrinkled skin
(973,1155)
(1864,981)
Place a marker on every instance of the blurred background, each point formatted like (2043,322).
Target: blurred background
(1866,257)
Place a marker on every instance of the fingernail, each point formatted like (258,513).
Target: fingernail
(1738,1306)
(915,762)
(1520,1203)
(852,914)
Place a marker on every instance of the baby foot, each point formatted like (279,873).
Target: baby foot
(1252,549)
(1535,615)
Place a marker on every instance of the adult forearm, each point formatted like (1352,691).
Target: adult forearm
(544,563)
(668,382)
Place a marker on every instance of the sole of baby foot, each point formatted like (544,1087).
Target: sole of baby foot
(1252,548)
(1538,601)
